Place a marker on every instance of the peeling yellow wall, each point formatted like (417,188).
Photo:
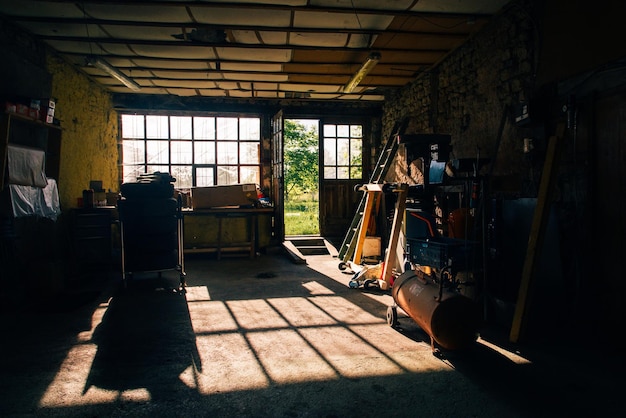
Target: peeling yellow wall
(89,140)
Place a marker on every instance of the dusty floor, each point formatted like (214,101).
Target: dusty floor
(270,338)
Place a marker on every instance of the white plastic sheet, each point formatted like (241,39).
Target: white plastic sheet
(30,200)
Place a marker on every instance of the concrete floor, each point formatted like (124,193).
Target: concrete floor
(270,338)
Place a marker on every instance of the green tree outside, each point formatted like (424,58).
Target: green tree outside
(300,159)
(301,178)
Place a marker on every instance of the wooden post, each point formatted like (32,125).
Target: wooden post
(537,235)
(390,254)
(369,204)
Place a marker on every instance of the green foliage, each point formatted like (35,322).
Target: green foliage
(301,179)
(300,159)
(301,217)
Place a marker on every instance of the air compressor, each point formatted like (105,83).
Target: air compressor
(429,289)
(447,316)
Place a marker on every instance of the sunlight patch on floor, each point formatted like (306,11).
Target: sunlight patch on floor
(515,358)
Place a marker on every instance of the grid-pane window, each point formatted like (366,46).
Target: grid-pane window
(205,176)
(227,153)
(248,152)
(343,152)
(157,152)
(247,174)
(130,173)
(227,128)
(181,152)
(157,127)
(180,127)
(160,168)
(204,152)
(250,128)
(134,151)
(182,174)
(203,128)
(132,126)
(196,150)
(226,175)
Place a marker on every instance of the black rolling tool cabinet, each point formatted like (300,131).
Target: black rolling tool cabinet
(151,227)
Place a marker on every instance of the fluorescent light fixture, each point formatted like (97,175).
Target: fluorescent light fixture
(113,72)
(367,66)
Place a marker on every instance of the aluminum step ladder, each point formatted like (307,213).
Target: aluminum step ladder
(349,243)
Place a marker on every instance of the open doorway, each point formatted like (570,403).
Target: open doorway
(301,177)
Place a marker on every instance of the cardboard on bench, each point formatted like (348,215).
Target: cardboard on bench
(220,196)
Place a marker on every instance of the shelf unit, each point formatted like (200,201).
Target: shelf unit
(21,130)
(30,246)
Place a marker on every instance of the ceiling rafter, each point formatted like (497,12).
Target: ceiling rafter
(196,25)
(365,89)
(320,78)
(294,49)
(388,64)
(230,45)
(269,6)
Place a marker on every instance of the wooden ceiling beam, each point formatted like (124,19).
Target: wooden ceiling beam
(178,43)
(283,7)
(311,64)
(191,25)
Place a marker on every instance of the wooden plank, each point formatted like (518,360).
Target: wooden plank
(537,235)
(294,253)
(371,187)
(369,204)
(390,254)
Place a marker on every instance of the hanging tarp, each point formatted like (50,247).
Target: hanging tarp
(37,201)
(26,166)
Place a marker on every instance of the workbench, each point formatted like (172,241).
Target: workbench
(222,216)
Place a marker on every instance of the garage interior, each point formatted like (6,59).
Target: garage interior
(525,102)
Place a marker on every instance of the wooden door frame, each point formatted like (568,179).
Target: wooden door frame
(349,185)
(278,179)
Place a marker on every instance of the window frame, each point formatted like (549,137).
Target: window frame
(353,170)
(241,133)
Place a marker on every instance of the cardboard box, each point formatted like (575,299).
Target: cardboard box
(371,247)
(220,196)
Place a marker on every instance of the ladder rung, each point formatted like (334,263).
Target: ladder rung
(382,166)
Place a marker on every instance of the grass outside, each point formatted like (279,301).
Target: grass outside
(302,217)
